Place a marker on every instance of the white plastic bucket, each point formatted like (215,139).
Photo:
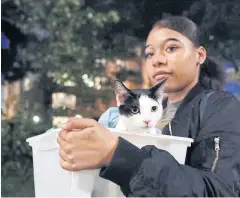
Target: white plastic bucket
(176,146)
(50,179)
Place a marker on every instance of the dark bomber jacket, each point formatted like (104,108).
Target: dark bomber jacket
(212,165)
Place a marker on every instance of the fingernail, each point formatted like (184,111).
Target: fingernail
(64,125)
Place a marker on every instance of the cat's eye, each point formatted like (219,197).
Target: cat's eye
(135,110)
(154,108)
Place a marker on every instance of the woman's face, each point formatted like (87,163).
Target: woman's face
(171,55)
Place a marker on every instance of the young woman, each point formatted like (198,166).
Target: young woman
(196,107)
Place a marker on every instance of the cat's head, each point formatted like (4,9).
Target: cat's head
(142,108)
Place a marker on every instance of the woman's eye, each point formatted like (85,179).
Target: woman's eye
(171,49)
(148,55)
(154,108)
(135,110)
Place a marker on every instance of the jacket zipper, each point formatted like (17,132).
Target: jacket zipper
(217,149)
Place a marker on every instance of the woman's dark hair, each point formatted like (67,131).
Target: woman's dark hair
(212,75)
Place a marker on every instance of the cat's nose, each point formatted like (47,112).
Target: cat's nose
(146,121)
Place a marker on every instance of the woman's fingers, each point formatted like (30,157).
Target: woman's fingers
(79,123)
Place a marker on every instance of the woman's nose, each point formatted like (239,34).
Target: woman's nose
(159,60)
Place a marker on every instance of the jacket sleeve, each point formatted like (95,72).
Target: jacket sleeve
(153,172)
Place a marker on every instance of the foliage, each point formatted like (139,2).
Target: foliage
(63,37)
(16,154)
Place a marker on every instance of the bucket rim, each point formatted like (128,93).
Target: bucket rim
(157,136)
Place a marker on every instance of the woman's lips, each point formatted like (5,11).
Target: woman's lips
(160,77)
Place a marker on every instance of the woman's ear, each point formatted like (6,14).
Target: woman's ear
(201,55)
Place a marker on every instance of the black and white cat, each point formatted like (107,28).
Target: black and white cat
(139,109)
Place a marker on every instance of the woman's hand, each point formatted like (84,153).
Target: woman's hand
(85,144)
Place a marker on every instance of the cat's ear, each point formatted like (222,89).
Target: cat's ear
(121,92)
(158,90)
